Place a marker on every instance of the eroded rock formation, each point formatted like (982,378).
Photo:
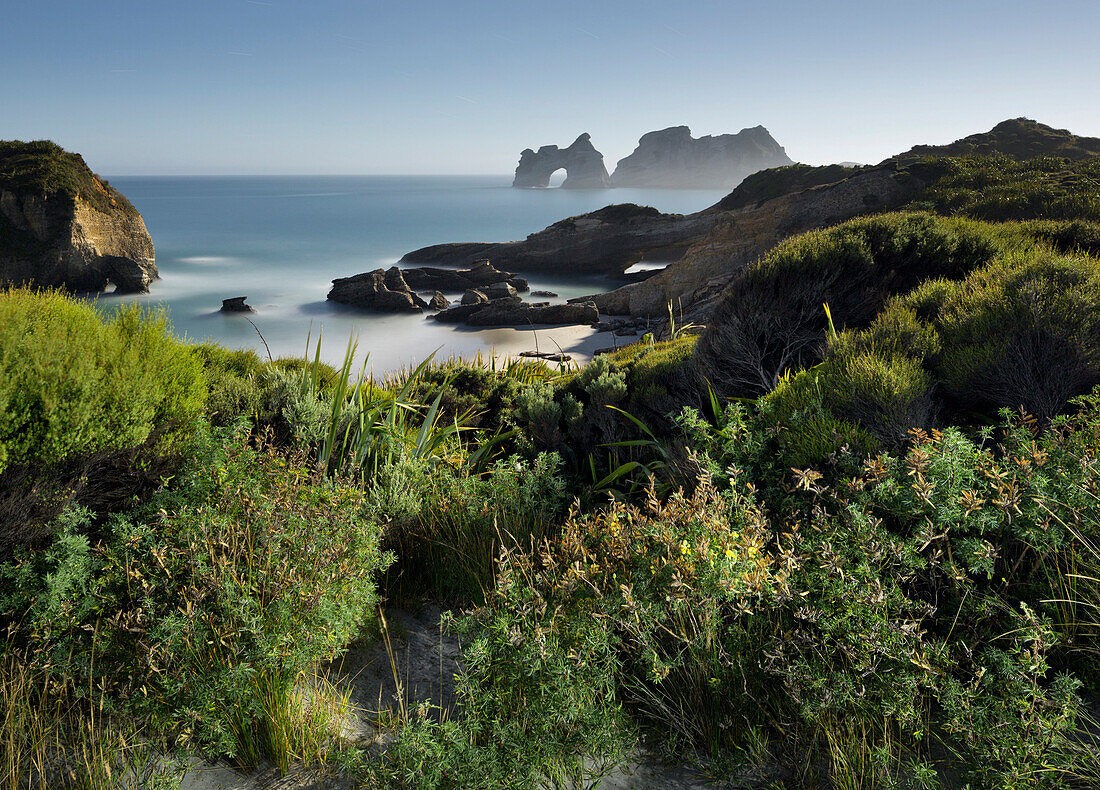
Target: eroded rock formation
(61,226)
(584,168)
(384,290)
(673,158)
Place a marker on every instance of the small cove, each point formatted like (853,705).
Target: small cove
(280,240)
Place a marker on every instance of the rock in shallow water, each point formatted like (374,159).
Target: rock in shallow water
(236,305)
(382,290)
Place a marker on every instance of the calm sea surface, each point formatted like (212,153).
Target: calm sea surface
(280,241)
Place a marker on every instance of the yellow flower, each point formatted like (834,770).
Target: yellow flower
(685,547)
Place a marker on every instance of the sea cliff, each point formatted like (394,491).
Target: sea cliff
(62,226)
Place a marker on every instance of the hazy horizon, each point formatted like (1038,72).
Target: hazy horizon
(289,87)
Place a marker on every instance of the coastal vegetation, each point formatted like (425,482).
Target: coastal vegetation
(847,535)
(44,168)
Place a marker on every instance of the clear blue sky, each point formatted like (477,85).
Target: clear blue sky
(461,86)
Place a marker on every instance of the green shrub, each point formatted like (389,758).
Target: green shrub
(925,557)
(94,412)
(807,431)
(203,609)
(538,709)
(477,394)
(658,377)
(447,528)
(778,181)
(73,382)
(1066,237)
(44,168)
(243,385)
(1000,188)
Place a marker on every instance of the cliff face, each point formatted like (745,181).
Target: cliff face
(61,226)
(584,168)
(673,158)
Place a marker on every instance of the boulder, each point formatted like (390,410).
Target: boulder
(474,296)
(673,158)
(385,291)
(236,305)
(584,168)
(438,302)
(499,291)
(543,293)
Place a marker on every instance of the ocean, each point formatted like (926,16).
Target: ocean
(281,240)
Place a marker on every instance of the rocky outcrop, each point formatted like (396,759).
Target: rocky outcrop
(673,158)
(584,168)
(608,241)
(382,290)
(513,311)
(61,226)
(481,273)
(474,296)
(438,302)
(1020,138)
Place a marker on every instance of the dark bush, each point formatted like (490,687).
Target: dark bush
(1021,333)
(772,318)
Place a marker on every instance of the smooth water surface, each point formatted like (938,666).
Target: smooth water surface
(280,241)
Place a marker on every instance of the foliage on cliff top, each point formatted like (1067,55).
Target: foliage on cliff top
(778,181)
(1000,188)
(42,167)
(1020,169)
(1017,138)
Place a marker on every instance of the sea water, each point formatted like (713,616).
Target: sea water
(281,240)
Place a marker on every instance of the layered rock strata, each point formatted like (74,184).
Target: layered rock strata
(74,232)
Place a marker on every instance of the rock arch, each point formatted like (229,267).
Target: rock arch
(584,168)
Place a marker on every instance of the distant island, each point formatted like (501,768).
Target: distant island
(669,158)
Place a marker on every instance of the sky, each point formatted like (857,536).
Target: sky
(462,86)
